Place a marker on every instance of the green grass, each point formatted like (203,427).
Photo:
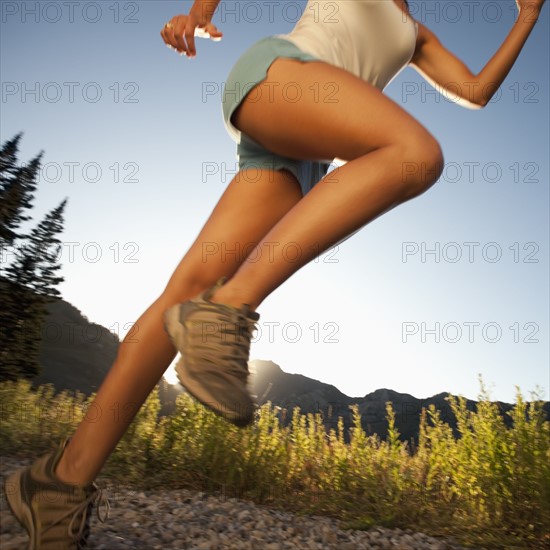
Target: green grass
(490,487)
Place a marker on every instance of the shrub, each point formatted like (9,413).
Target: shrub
(489,486)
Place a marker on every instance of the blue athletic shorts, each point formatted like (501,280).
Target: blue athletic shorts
(250,69)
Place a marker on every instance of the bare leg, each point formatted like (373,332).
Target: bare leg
(364,127)
(391,159)
(241,218)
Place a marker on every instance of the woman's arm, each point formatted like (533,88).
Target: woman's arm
(204,9)
(444,70)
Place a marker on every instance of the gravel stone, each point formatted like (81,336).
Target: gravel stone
(183,519)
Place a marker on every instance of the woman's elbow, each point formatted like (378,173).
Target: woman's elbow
(475,105)
(481,102)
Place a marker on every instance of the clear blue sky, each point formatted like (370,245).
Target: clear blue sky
(93,85)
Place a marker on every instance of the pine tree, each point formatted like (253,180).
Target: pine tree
(8,158)
(30,280)
(17,185)
(33,274)
(38,260)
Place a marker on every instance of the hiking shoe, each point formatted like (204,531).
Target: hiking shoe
(214,340)
(55,514)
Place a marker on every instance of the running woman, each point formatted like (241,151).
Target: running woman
(207,311)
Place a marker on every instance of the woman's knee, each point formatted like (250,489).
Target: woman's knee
(422,163)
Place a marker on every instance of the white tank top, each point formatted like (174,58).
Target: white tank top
(373,39)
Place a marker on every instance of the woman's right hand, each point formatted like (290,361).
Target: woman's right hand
(530,6)
(188,26)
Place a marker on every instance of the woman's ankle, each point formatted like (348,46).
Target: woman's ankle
(67,474)
(227,297)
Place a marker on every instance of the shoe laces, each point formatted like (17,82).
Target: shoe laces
(82,511)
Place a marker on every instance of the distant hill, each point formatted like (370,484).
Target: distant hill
(77,354)
(271,383)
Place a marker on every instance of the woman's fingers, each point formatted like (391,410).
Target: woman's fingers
(172,34)
(165,38)
(180,28)
(190,37)
(167,34)
(209,31)
(181,45)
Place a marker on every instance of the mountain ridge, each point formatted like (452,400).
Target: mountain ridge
(77,355)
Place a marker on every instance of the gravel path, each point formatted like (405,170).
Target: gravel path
(182,519)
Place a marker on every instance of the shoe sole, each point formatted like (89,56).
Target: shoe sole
(175,331)
(18,507)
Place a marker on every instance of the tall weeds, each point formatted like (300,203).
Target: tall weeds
(489,486)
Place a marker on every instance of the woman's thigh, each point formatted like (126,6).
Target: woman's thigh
(314,110)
